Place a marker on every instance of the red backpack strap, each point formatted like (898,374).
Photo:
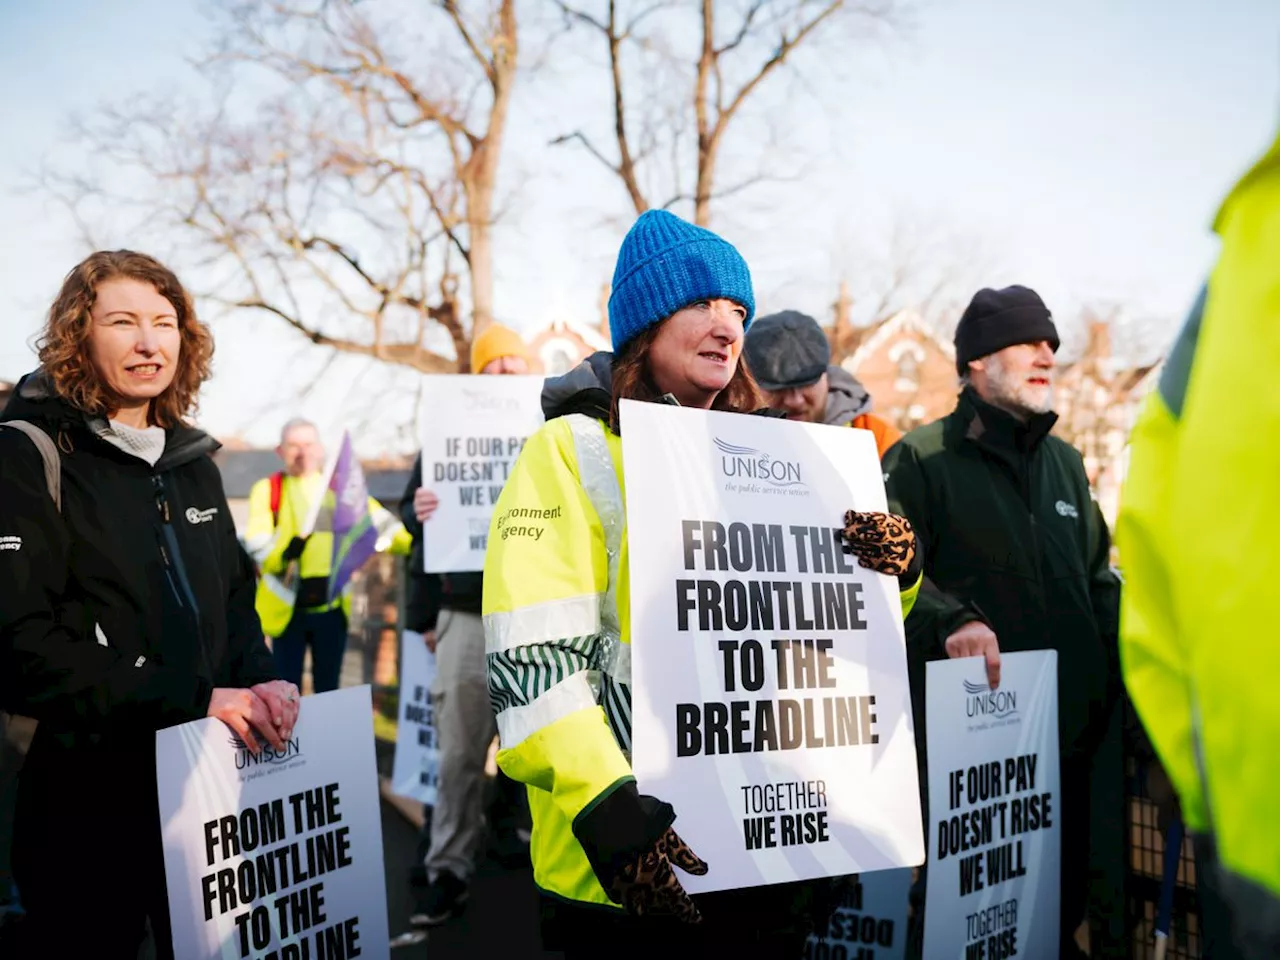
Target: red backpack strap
(277,487)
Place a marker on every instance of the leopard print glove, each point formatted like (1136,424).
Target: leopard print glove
(883,542)
(648,885)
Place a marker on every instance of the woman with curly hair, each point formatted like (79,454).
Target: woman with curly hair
(125,606)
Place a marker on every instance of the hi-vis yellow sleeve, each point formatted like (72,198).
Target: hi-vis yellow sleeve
(908,596)
(545,574)
(261,538)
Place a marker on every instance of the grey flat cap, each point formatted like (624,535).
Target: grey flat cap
(786,350)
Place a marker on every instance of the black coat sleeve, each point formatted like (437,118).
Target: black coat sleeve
(50,668)
(425,591)
(407,516)
(249,660)
(936,614)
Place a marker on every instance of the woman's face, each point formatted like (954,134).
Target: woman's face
(134,341)
(696,351)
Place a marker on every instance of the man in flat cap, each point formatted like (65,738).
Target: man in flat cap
(1017,557)
(790,357)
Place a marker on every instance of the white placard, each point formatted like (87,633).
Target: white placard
(417,764)
(994,847)
(276,856)
(870,922)
(473,430)
(769,671)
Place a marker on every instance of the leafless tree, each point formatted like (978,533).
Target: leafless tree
(682,72)
(921,265)
(343,183)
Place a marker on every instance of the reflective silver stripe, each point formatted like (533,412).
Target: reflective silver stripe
(617,662)
(258,547)
(278,590)
(542,623)
(573,693)
(600,483)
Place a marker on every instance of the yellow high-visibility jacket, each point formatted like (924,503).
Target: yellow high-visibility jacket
(1199,546)
(266,538)
(557,622)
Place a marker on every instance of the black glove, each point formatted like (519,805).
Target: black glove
(294,550)
(629,842)
(885,543)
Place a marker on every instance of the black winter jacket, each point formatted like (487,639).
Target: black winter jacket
(119,616)
(1011,535)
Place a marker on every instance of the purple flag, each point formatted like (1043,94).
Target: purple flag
(354,537)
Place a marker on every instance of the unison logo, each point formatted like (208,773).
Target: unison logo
(981,701)
(267,754)
(747,463)
(475,400)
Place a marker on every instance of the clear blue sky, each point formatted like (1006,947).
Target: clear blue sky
(1084,144)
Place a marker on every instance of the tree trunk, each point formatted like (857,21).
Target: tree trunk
(706,140)
(706,181)
(482,176)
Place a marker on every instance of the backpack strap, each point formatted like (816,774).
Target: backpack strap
(48,453)
(277,486)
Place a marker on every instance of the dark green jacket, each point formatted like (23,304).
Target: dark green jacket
(1011,535)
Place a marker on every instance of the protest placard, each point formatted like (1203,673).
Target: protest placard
(869,922)
(473,430)
(417,762)
(994,846)
(275,855)
(770,698)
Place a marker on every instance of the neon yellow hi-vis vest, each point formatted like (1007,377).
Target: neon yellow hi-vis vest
(266,542)
(557,621)
(1199,539)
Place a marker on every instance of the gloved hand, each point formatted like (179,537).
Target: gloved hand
(628,840)
(294,550)
(883,542)
(649,884)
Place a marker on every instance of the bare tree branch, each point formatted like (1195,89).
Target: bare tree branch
(342,210)
(712,82)
(451,8)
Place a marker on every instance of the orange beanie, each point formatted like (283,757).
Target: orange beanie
(496,341)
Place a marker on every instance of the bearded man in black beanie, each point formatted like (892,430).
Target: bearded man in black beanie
(1016,556)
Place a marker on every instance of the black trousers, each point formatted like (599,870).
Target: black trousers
(325,633)
(88,858)
(755,922)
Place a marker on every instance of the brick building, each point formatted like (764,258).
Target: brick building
(908,369)
(561,346)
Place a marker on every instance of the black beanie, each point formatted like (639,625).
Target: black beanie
(996,319)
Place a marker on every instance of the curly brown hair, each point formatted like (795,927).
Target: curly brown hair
(633,380)
(64,343)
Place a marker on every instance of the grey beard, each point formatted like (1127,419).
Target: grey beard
(1010,398)
(1021,407)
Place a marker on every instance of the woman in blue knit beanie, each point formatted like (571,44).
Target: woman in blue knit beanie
(558,632)
(680,305)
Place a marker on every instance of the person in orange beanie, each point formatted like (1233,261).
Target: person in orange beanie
(445,609)
(499,349)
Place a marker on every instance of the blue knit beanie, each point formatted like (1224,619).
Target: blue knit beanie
(664,265)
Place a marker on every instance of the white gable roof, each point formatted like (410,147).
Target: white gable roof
(904,321)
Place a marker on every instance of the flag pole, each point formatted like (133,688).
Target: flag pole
(313,512)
